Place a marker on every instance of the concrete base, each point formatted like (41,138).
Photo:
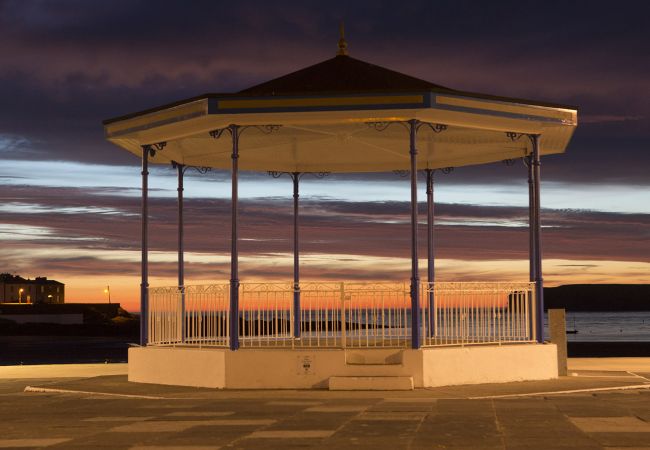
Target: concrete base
(314,368)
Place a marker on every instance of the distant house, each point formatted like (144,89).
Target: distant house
(16,289)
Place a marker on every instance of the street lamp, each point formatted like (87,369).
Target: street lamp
(20,295)
(108,291)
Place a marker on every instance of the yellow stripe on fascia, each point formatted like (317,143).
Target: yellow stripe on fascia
(316,102)
(532,110)
(190,109)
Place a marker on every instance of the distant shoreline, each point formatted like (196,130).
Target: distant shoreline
(598,297)
(31,350)
(608,349)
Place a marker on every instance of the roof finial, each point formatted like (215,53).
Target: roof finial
(343,45)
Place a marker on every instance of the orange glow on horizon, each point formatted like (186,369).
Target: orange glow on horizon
(126,289)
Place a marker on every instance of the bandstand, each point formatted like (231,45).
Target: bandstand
(343,115)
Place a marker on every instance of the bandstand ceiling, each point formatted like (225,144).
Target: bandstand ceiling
(334,117)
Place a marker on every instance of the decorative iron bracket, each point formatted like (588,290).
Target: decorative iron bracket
(381,126)
(514,137)
(153,148)
(298,175)
(444,170)
(266,129)
(405,173)
(200,169)
(435,127)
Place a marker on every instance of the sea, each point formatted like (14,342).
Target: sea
(629,326)
(590,327)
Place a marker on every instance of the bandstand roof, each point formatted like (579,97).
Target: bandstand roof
(326,112)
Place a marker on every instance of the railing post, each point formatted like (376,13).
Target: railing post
(533,312)
(344,331)
(536,232)
(430,252)
(180,168)
(296,256)
(144,284)
(234,254)
(415,277)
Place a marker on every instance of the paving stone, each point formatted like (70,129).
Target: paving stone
(611,424)
(312,421)
(283,434)
(449,431)
(627,448)
(20,443)
(175,447)
(200,414)
(292,403)
(622,439)
(410,400)
(336,408)
(642,414)
(161,426)
(402,407)
(391,415)
(117,419)
(548,444)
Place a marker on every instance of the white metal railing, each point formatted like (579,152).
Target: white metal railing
(265,311)
(378,314)
(339,315)
(195,315)
(465,313)
(322,319)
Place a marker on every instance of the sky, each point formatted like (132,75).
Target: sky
(70,202)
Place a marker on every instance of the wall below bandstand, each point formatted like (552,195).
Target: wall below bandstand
(313,368)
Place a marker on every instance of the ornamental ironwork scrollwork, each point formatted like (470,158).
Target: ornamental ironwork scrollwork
(200,169)
(380,126)
(266,129)
(299,175)
(435,127)
(216,134)
(513,136)
(153,148)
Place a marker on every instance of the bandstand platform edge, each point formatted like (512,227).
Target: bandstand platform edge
(312,368)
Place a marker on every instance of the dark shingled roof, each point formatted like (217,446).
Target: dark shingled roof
(342,74)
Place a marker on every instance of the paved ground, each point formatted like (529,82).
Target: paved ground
(592,409)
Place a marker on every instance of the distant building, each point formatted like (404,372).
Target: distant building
(16,289)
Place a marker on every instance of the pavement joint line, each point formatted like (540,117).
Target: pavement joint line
(575,375)
(638,376)
(571,391)
(43,390)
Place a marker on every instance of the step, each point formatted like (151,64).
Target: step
(371,383)
(374,357)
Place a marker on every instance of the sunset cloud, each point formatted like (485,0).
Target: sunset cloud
(70,203)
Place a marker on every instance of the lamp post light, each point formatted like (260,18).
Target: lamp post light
(108,292)
(20,295)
